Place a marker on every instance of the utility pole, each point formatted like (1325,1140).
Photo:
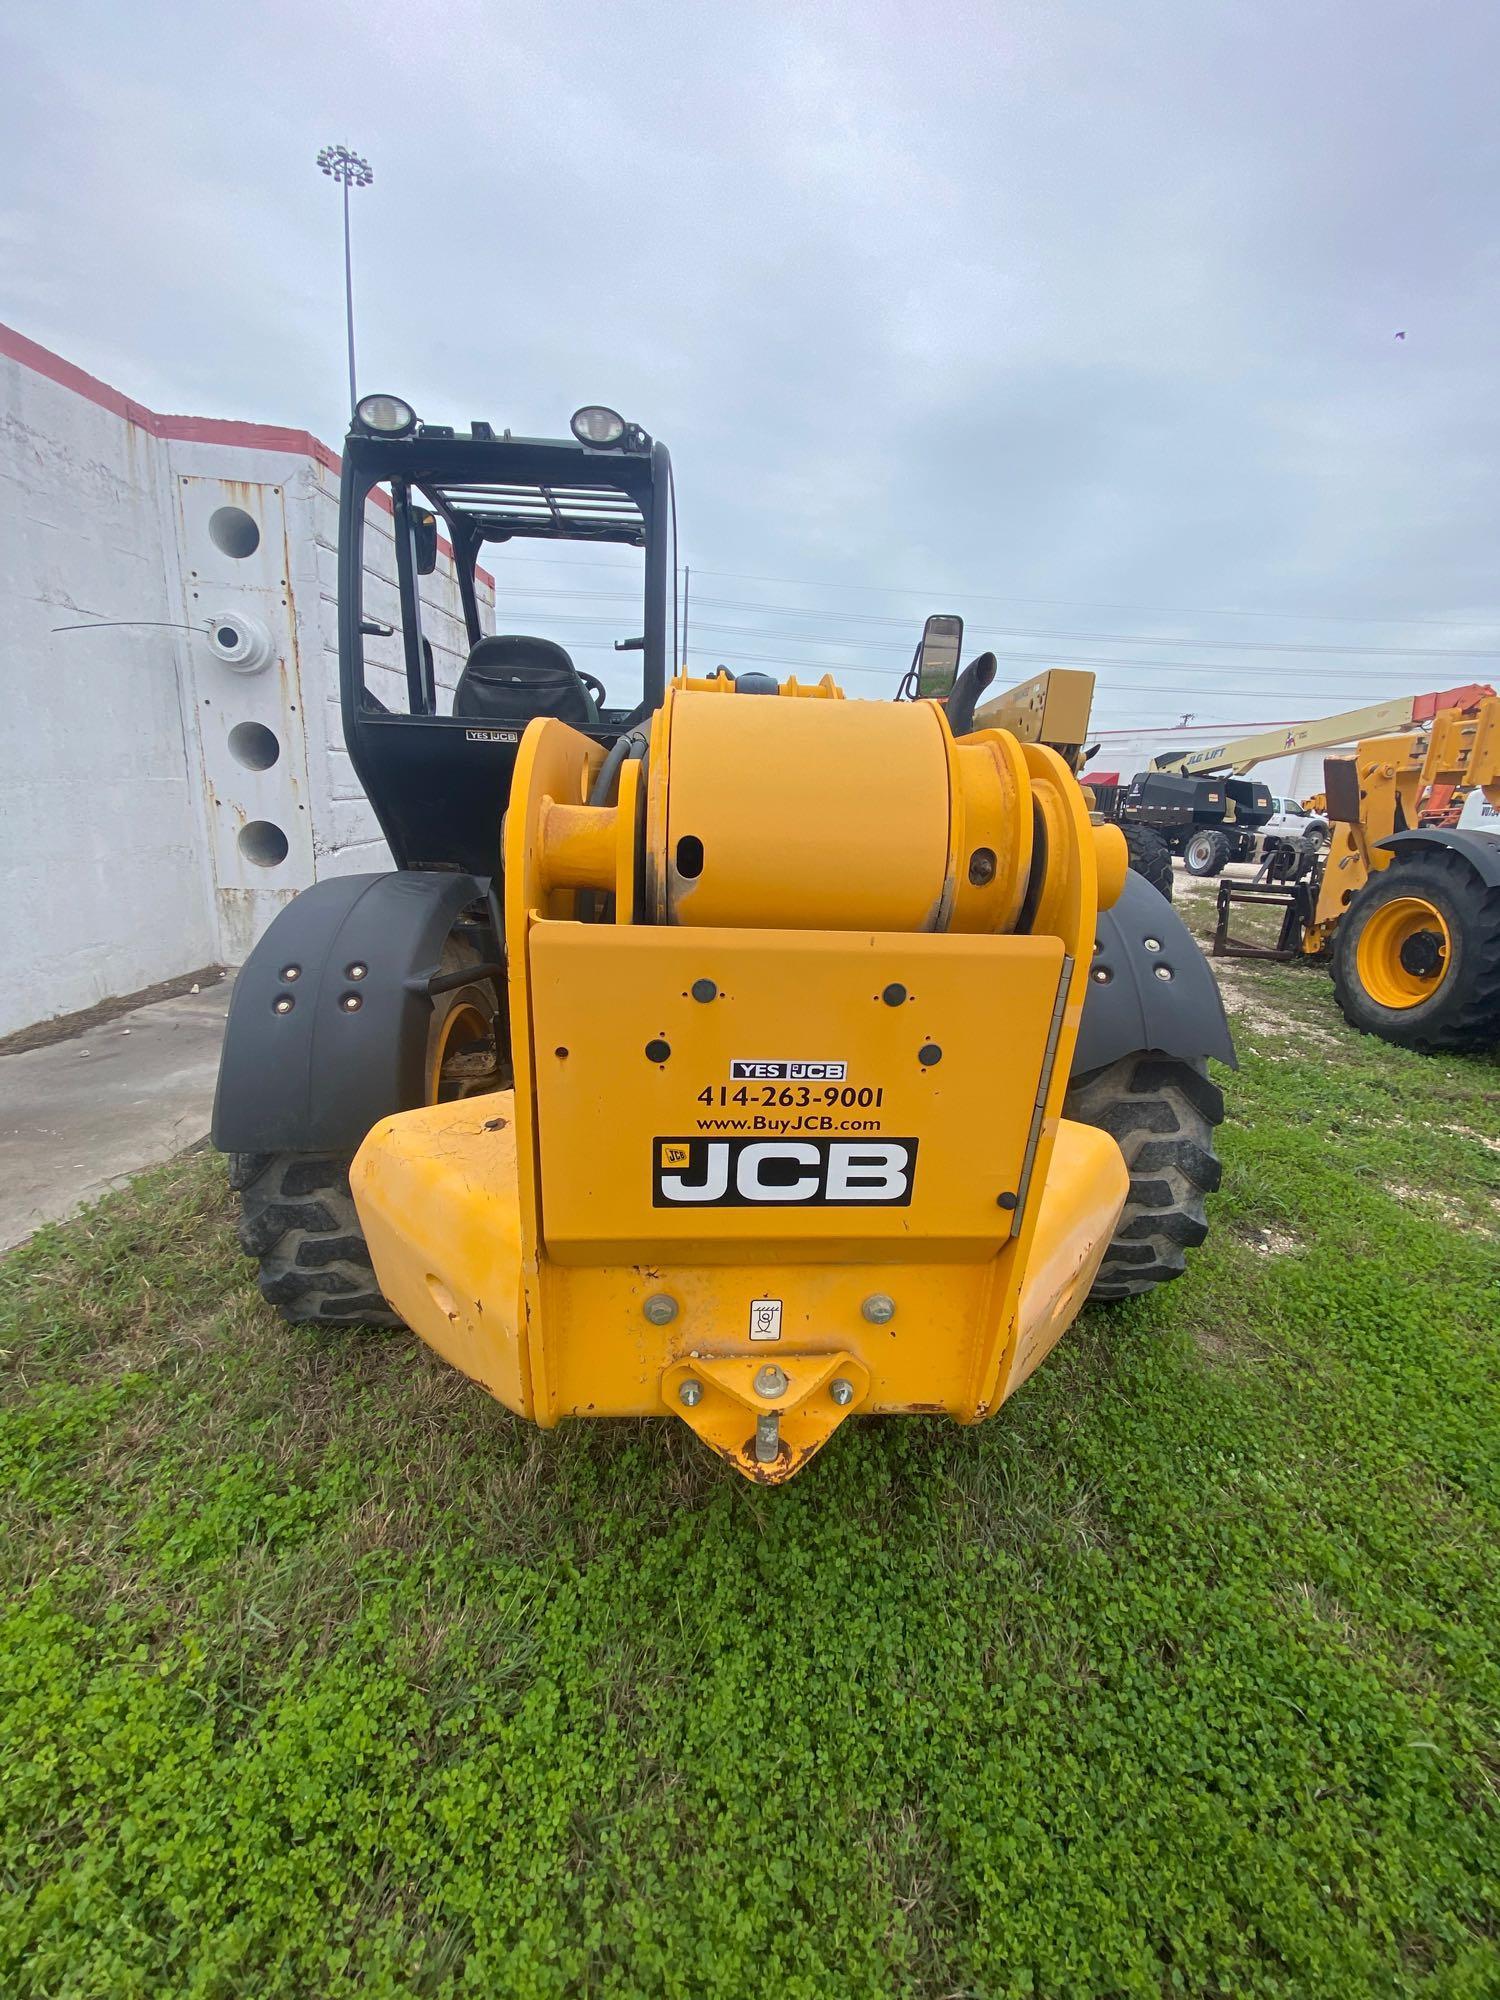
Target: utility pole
(687,585)
(349,170)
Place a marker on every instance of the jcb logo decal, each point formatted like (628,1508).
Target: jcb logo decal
(782,1173)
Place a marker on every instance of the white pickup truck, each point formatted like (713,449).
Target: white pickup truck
(1291,822)
(1479,816)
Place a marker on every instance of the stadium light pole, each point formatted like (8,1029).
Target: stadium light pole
(349,170)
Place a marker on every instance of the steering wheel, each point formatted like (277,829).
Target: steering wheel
(595,687)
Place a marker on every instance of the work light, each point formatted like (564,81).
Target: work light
(594,424)
(386,414)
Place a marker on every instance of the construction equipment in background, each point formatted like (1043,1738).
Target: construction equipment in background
(1406,910)
(1205,807)
(784,1058)
(1205,820)
(1383,718)
(1054,707)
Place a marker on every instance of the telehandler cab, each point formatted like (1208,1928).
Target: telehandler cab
(746,1054)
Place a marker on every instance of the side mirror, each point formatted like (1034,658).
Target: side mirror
(424,540)
(937,656)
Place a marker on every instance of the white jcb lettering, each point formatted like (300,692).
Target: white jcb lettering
(866,1172)
(747,1173)
(712,1187)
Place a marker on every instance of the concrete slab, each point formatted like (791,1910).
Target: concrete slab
(79,1117)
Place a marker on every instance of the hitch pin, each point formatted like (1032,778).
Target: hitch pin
(767,1437)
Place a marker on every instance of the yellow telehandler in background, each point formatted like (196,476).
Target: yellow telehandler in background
(1404,902)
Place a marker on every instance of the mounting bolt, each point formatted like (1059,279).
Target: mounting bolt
(879,1308)
(690,1392)
(1152,944)
(356,971)
(351,1003)
(1162,971)
(842,1391)
(770,1380)
(282,1004)
(660,1308)
(291,972)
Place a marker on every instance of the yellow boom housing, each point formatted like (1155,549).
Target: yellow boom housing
(792,1017)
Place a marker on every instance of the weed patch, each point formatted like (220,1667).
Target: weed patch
(319,1673)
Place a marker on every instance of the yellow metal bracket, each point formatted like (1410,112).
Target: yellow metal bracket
(766,1413)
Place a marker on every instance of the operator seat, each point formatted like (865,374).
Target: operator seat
(512,678)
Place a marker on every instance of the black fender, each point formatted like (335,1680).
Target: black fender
(316,1076)
(1480,850)
(1132,1008)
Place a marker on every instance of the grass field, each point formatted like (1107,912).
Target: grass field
(321,1674)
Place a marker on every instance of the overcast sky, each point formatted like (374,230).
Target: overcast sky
(1074,316)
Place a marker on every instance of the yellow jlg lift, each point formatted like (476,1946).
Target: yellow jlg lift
(786,1058)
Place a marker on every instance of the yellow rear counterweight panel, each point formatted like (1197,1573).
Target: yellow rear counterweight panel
(793,1147)
(854,1094)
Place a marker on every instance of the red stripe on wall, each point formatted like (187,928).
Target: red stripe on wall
(14,346)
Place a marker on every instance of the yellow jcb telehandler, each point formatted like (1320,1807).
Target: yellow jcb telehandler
(751,1056)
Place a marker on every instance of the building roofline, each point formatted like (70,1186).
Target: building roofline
(16,346)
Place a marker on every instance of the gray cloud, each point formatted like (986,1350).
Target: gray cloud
(1035,309)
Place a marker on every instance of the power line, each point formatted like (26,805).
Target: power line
(1133,638)
(1198,670)
(1491,654)
(948,592)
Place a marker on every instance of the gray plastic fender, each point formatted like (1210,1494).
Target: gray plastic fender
(1480,850)
(315,1077)
(1133,1008)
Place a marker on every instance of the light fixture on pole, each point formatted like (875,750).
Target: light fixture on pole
(349,170)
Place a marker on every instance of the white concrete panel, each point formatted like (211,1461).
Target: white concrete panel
(102,888)
(251,735)
(139,770)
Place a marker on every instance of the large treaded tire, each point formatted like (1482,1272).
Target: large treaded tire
(298,1221)
(1464,1010)
(1150,857)
(1161,1111)
(297,1216)
(1206,851)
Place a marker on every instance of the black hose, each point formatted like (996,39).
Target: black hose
(967,689)
(596,908)
(601,792)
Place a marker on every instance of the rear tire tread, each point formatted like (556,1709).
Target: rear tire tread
(1150,857)
(298,1221)
(1162,1112)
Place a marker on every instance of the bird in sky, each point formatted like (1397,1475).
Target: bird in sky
(1401,336)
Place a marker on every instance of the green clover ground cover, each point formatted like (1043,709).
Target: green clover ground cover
(320,1674)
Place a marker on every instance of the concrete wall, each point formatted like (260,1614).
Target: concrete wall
(102,888)
(167,783)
